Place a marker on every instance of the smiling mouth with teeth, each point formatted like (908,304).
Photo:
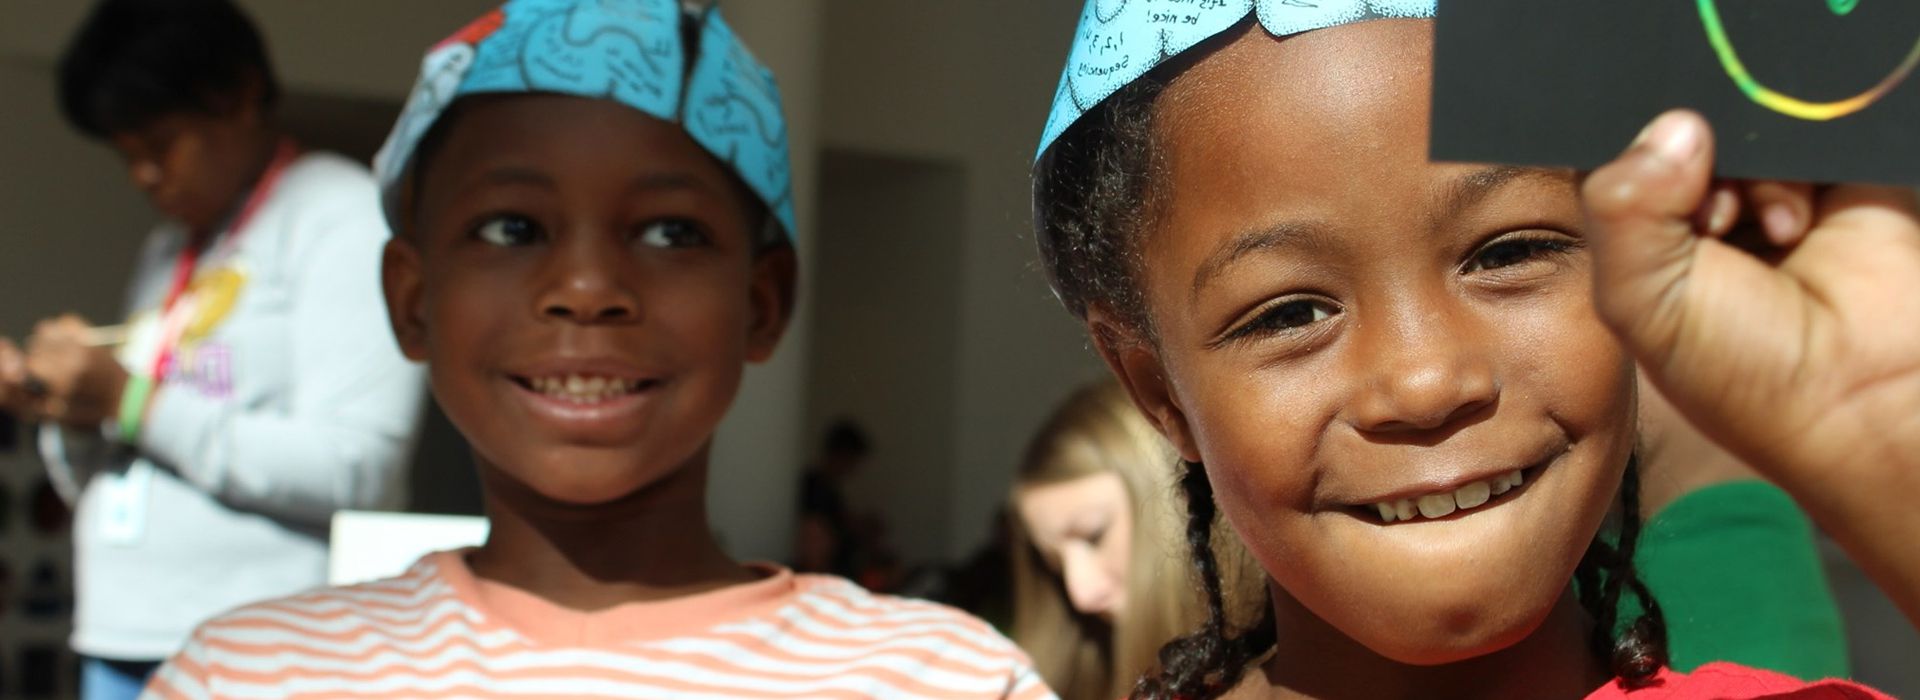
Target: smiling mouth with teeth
(1440,505)
(584,389)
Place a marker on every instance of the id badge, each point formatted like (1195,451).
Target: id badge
(123,501)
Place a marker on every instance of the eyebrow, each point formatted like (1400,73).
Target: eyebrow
(1250,242)
(1459,194)
(1469,190)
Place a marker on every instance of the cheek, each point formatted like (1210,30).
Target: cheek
(1565,354)
(1118,549)
(707,314)
(1257,435)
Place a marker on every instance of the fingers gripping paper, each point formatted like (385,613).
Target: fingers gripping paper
(1120,40)
(633,52)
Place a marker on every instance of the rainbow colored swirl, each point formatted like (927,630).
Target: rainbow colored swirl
(1788,104)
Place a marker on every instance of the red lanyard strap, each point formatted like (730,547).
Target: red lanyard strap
(189,259)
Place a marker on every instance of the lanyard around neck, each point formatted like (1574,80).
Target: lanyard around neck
(173,325)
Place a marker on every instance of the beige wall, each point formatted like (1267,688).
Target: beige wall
(970,82)
(886,347)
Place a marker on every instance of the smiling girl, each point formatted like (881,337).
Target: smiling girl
(1386,372)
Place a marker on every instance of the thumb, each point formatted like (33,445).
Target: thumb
(1640,210)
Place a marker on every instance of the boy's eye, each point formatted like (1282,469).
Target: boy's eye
(1513,251)
(1287,315)
(508,231)
(672,233)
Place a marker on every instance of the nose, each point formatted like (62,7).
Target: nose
(1424,369)
(1088,587)
(587,282)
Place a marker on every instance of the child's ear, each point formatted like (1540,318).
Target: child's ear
(1137,364)
(775,275)
(400,278)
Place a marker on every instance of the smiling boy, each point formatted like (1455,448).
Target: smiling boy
(593,240)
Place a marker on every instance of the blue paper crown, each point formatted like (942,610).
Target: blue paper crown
(1120,40)
(628,51)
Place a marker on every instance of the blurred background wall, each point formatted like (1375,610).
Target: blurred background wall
(923,318)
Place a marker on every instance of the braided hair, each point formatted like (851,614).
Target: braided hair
(1093,195)
(1210,660)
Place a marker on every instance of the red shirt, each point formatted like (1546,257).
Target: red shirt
(1724,681)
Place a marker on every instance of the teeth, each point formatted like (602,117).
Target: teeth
(583,389)
(1404,508)
(1440,505)
(1473,495)
(1437,505)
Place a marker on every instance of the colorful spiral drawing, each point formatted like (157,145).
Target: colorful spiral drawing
(1788,104)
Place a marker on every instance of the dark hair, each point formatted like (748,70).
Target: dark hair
(1091,201)
(135,61)
(846,437)
(1209,662)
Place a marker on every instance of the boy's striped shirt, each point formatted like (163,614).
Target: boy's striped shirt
(438,632)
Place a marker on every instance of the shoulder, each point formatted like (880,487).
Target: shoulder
(837,599)
(1725,681)
(323,172)
(933,640)
(340,621)
(321,193)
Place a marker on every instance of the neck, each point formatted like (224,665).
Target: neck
(1314,660)
(255,153)
(652,544)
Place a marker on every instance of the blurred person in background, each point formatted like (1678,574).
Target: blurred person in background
(1100,559)
(253,389)
(829,531)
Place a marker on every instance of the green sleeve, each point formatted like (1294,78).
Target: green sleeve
(1739,577)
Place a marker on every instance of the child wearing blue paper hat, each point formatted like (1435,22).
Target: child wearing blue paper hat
(592,238)
(1385,372)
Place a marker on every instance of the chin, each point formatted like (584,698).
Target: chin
(1433,620)
(590,477)
(1451,639)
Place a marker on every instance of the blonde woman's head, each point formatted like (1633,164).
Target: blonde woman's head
(1101,567)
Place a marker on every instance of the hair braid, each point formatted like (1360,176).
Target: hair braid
(1208,662)
(1607,572)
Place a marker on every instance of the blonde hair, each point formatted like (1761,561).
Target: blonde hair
(1097,430)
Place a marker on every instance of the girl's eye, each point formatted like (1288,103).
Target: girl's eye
(1094,538)
(1287,315)
(508,230)
(1513,251)
(672,233)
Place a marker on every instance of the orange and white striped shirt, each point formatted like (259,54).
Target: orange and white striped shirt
(439,632)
